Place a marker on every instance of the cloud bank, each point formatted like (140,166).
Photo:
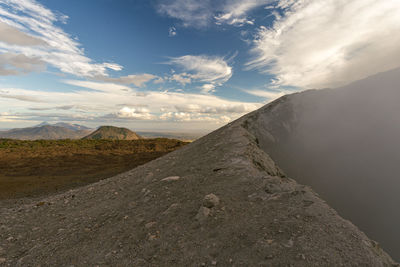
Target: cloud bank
(108,102)
(200,14)
(212,71)
(327,43)
(28,28)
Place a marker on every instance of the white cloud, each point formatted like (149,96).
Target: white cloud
(222,108)
(326,43)
(198,14)
(28,28)
(13,36)
(270,95)
(103,104)
(134,113)
(136,79)
(14,64)
(172,31)
(105,87)
(192,13)
(208,88)
(182,78)
(235,12)
(206,69)
(190,117)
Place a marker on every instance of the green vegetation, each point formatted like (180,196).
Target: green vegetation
(32,168)
(140,145)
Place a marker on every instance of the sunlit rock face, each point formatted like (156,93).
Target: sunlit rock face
(345,144)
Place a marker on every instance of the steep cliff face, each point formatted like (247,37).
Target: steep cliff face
(220,200)
(344,143)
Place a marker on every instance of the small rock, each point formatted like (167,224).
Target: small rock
(171,208)
(148,177)
(171,178)
(202,214)
(210,201)
(152,237)
(289,244)
(150,224)
(301,256)
(41,203)
(214,263)
(145,192)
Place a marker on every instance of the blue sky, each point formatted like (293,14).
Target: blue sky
(181,65)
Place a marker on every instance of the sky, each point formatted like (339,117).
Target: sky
(181,65)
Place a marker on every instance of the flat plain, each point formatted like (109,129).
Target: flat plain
(42,167)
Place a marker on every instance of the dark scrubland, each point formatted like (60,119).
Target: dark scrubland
(41,167)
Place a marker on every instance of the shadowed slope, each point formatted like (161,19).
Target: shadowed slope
(156,215)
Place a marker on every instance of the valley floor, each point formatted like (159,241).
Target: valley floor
(37,168)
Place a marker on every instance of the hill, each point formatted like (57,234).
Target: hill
(48,132)
(220,200)
(113,133)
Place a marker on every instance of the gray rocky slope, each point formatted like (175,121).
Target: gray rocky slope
(219,201)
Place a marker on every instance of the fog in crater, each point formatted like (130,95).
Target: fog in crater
(345,144)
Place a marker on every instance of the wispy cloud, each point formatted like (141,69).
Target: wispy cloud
(136,79)
(324,43)
(28,28)
(105,87)
(192,13)
(131,113)
(267,94)
(213,71)
(20,97)
(102,104)
(200,14)
(14,64)
(172,31)
(12,36)
(193,117)
(235,12)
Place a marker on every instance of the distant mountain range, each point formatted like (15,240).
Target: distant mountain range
(75,127)
(62,130)
(114,133)
(46,131)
